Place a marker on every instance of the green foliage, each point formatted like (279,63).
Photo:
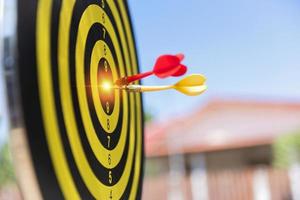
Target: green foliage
(6,167)
(148,117)
(286,150)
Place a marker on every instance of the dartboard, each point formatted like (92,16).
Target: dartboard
(85,141)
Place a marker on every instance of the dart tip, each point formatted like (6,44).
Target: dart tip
(122,81)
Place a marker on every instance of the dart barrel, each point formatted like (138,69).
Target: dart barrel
(83,141)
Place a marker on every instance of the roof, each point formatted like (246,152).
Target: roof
(223,124)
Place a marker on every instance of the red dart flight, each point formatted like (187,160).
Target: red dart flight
(165,66)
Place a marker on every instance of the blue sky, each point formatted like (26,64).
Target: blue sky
(247,49)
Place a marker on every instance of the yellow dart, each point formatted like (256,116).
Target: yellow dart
(191,85)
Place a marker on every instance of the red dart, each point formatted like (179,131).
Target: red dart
(182,70)
(180,56)
(165,65)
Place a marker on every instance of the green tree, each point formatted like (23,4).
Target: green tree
(6,168)
(148,117)
(286,149)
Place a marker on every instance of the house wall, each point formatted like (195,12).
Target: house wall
(232,174)
(238,158)
(218,160)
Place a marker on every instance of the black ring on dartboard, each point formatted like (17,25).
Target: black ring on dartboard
(94,35)
(99,170)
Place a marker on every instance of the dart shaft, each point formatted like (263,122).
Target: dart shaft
(128,79)
(138,76)
(140,88)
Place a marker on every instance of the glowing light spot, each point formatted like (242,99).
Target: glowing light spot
(106,86)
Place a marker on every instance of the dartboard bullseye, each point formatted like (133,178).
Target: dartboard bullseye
(85,137)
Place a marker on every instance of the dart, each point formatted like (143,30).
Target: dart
(191,85)
(165,66)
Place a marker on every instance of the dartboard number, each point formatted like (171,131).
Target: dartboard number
(108,141)
(104,50)
(105,64)
(107,124)
(103,18)
(107,107)
(110,194)
(109,159)
(109,177)
(104,32)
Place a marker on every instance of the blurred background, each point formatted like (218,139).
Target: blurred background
(241,138)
